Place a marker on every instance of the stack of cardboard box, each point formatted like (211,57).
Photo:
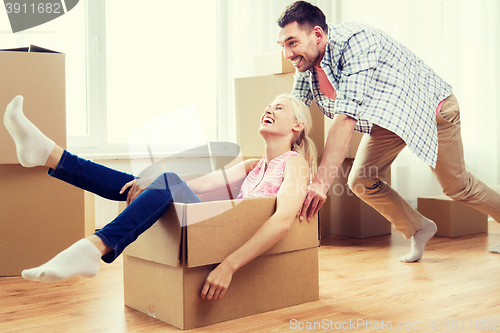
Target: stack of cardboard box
(40,216)
(343,213)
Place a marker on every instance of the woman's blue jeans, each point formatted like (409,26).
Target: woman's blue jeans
(141,214)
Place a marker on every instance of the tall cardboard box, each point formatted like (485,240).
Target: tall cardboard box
(40,216)
(273,63)
(38,75)
(252,96)
(351,216)
(165,268)
(452,218)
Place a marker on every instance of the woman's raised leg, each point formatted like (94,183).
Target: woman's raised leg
(82,258)
(35,149)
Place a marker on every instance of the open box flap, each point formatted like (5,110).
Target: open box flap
(163,238)
(31,48)
(35,48)
(212,240)
(17,49)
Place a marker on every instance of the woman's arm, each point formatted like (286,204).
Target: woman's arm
(289,201)
(219,180)
(212,182)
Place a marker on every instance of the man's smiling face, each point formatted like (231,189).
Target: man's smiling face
(300,46)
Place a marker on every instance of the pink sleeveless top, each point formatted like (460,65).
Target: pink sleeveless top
(265,182)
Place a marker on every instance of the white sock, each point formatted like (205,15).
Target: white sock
(33,147)
(495,248)
(80,259)
(427,229)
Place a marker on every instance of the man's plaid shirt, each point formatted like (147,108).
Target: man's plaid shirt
(378,81)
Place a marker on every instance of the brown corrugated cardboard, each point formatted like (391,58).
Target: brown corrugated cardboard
(164,270)
(452,218)
(252,96)
(351,216)
(89,204)
(38,75)
(41,216)
(324,218)
(273,63)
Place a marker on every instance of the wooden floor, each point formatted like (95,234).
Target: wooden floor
(456,286)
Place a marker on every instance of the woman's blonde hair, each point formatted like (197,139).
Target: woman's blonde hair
(303,144)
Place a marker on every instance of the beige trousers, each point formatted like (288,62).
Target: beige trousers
(378,150)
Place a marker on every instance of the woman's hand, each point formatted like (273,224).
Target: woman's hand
(217,282)
(135,190)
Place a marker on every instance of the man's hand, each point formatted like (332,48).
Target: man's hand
(337,142)
(316,197)
(217,282)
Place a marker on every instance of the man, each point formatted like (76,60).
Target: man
(368,82)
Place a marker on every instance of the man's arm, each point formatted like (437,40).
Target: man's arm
(337,143)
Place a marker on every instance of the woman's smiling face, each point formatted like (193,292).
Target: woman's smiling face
(278,118)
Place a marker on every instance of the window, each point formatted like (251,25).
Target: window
(128,62)
(160,57)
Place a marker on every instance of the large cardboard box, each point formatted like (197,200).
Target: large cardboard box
(38,75)
(40,216)
(165,268)
(351,216)
(452,218)
(273,63)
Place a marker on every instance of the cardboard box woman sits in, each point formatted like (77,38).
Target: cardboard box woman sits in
(289,152)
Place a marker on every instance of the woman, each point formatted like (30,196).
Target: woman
(289,152)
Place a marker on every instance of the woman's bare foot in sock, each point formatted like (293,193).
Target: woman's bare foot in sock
(426,231)
(80,259)
(33,147)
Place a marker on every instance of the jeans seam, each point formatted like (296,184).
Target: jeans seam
(114,247)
